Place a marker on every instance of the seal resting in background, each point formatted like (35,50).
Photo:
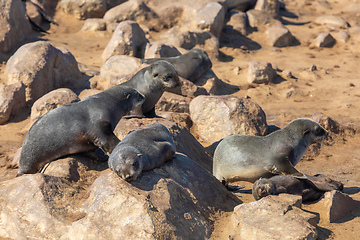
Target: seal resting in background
(152,81)
(248,158)
(191,65)
(310,189)
(77,127)
(142,150)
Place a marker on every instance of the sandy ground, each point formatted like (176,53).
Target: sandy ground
(335,93)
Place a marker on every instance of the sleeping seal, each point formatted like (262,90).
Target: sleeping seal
(248,158)
(142,150)
(310,189)
(77,127)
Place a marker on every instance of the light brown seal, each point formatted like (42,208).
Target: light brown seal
(248,158)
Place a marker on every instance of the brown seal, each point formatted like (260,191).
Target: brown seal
(310,189)
(152,81)
(248,158)
(142,150)
(77,127)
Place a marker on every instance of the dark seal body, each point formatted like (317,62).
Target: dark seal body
(191,65)
(142,150)
(248,158)
(77,127)
(152,81)
(310,189)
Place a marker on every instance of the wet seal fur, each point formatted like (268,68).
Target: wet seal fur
(248,158)
(77,127)
(142,150)
(310,189)
(152,81)
(191,65)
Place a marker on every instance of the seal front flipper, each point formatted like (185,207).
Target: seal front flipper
(135,113)
(282,166)
(105,137)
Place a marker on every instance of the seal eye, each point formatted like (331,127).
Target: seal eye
(155,75)
(135,164)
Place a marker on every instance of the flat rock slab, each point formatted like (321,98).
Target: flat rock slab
(274,217)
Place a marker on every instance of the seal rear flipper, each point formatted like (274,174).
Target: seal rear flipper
(323,183)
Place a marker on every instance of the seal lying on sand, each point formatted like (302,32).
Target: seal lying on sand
(142,150)
(191,65)
(310,189)
(77,127)
(248,158)
(152,81)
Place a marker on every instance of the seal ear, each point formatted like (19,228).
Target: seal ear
(305,131)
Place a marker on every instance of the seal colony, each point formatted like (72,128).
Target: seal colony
(248,158)
(142,150)
(77,127)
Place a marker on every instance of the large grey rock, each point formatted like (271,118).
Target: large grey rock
(135,10)
(260,72)
(159,50)
(12,98)
(52,100)
(270,7)
(30,206)
(211,18)
(50,68)
(238,21)
(279,36)
(199,39)
(274,217)
(257,18)
(82,199)
(14,26)
(118,69)
(217,117)
(84,9)
(169,202)
(128,39)
(173,103)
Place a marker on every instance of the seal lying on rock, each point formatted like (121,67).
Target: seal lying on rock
(248,158)
(191,65)
(152,81)
(310,189)
(77,127)
(142,150)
